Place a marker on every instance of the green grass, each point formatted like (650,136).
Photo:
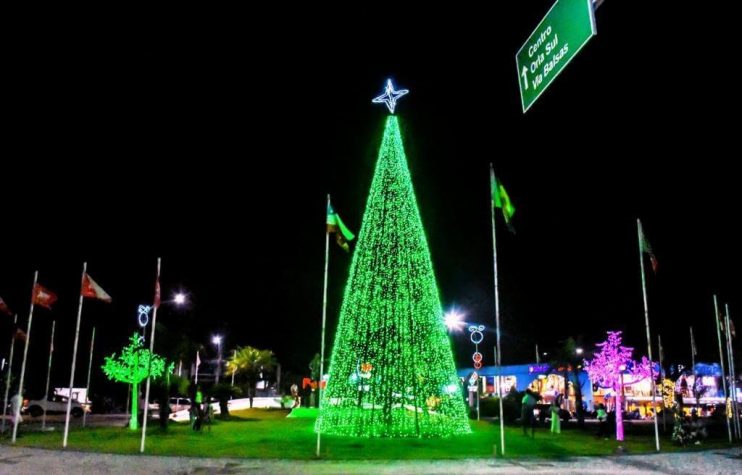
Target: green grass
(257,433)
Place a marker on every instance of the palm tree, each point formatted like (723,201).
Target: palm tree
(249,362)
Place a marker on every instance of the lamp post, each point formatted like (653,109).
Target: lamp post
(217,340)
(476,337)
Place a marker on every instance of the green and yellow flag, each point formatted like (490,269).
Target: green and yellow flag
(500,199)
(336,225)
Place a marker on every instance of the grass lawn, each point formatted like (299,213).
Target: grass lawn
(260,433)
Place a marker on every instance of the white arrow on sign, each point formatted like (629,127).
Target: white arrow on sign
(525,78)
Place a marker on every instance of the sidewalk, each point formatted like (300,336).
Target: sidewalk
(23,460)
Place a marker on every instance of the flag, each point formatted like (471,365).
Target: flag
(336,225)
(501,199)
(92,290)
(19,334)
(198,361)
(43,296)
(644,246)
(731,329)
(4,308)
(157,293)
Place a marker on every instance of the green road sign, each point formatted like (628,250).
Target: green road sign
(562,33)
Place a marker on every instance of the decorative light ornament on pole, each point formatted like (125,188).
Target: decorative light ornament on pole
(476,336)
(144,315)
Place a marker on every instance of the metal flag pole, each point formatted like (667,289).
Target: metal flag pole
(498,361)
(90,367)
(48,375)
(649,338)
(324,320)
(721,361)
(732,373)
(151,354)
(74,357)
(17,414)
(9,375)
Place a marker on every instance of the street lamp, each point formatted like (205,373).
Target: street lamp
(180,298)
(578,351)
(454,320)
(217,340)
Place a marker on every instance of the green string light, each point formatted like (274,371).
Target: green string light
(392,372)
(133,366)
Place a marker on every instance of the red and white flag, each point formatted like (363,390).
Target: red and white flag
(4,308)
(92,290)
(157,293)
(44,297)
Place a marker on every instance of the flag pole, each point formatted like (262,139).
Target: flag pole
(324,319)
(234,357)
(87,386)
(25,355)
(151,353)
(74,357)
(662,371)
(649,338)
(498,361)
(10,365)
(195,380)
(48,375)
(721,360)
(692,351)
(732,373)
(538,357)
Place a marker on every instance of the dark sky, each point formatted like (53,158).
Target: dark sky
(213,142)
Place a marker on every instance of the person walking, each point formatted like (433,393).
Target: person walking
(556,423)
(528,403)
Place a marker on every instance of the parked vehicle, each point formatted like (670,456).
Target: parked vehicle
(54,404)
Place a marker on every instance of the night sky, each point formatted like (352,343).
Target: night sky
(214,147)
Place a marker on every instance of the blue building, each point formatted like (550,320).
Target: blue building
(540,377)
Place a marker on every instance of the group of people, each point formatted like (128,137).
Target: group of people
(528,417)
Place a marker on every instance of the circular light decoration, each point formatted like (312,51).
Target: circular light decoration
(390,96)
(477,365)
(144,315)
(476,334)
(477,357)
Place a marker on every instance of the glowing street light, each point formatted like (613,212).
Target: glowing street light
(578,351)
(217,340)
(180,298)
(454,320)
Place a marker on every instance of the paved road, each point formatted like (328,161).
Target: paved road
(22,460)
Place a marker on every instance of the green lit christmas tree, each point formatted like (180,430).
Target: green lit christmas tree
(392,372)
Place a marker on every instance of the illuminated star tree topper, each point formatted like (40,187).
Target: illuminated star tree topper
(390,96)
(133,366)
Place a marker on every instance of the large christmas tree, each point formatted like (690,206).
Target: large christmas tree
(392,372)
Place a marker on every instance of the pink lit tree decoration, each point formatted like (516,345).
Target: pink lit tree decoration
(608,367)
